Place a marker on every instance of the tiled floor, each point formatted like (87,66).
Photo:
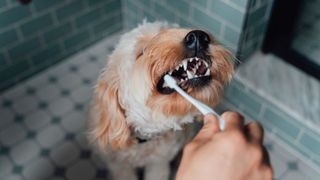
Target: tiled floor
(42,126)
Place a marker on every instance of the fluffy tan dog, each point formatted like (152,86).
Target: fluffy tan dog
(135,120)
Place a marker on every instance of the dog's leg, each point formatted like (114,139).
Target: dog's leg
(122,171)
(157,171)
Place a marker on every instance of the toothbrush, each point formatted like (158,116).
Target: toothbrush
(204,109)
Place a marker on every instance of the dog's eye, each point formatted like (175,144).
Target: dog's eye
(139,55)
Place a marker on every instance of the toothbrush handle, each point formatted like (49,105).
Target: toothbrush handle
(203,108)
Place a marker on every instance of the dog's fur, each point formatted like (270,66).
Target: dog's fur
(127,105)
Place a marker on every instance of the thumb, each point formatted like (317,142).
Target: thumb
(209,128)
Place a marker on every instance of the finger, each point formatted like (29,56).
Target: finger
(209,128)
(254,132)
(266,157)
(233,120)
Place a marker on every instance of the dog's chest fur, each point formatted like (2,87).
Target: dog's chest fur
(159,148)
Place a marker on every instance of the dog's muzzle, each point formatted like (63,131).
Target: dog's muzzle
(194,71)
(196,43)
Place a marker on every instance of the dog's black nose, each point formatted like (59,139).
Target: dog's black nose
(196,41)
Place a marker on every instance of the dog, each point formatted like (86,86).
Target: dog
(135,119)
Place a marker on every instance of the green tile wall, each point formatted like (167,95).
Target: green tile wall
(8,37)
(13,14)
(238,24)
(37,24)
(224,19)
(21,50)
(290,130)
(258,14)
(2,60)
(43,5)
(282,122)
(228,13)
(39,34)
(59,31)
(2,3)
(69,10)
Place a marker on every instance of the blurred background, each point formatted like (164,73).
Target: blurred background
(51,53)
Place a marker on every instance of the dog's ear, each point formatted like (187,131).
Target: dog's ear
(111,127)
(141,44)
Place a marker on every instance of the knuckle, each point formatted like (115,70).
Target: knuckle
(237,138)
(234,115)
(254,123)
(257,153)
(257,125)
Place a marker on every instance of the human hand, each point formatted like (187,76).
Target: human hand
(236,153)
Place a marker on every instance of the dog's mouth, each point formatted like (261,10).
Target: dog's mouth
(190,73)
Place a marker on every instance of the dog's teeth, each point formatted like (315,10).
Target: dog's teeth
(190,76)
(206,63)
(197,59)
(185,64)
(208,72)
(194,70)
(195,75)
(177,68)
(190,60)
(170,73)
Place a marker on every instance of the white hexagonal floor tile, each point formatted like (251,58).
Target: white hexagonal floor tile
(50,136)
(24,152)
(82,170)
(38,169)
(65,154)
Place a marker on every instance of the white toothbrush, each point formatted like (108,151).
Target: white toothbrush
(204,109)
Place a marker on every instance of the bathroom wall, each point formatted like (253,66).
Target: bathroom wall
(264,89)
(239,24)
(44,32)
(224,19)
(255,26)
(307,31)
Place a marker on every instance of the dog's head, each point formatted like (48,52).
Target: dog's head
(132,83)
(193,58)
